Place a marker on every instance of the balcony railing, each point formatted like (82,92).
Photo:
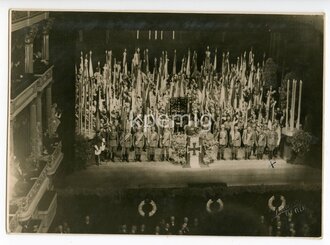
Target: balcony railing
(28,203)
(22,19)
(45,78)
(55,159)
(22,99)
(14,225)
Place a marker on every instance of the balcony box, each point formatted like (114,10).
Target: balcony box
(46,209)
(14,226)
(22,19)
(29,203)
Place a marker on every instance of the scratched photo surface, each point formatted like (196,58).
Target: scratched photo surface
(165,124)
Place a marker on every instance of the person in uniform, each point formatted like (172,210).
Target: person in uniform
(227,124)
(97,154)
(113,142)
(126,142)
(272,139)
(103,152)
(223,141)
(166,144)
(254,147)
(152,143)
(248,141)
(260,142)
(138,143)
(107,142)
(235,142)
(98,140)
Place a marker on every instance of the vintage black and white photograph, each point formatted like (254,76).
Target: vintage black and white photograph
(154,123)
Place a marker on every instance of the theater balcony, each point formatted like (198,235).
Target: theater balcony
(28,193)
(46,211)
(25,88)
(22,19)
(14,224)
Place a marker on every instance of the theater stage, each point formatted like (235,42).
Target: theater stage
(234,173)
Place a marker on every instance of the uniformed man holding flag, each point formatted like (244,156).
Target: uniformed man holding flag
(260,142)
(126,143)
(223,141)
(248,141)
(113,142)
(235,137)
(166,144)
(138,143)
(272,139)
(152,143)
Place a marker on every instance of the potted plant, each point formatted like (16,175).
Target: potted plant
(301,143)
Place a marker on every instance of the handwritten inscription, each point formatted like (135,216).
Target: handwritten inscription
(294,208)
(272,163)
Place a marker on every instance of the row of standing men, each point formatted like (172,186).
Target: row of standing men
(254,140)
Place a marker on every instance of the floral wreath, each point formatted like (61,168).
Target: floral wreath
(179,148)
(210,201)
(151,213)
(272,207)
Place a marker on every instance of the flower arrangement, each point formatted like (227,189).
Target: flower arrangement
(301,142)
(209,145)
(83,150)
(179,148)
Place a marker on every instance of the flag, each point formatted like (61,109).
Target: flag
(125,62)
(81,68)
(138,84)
(182,92)
(157,85)
(86,67)
(85,104)
(188,64)
(90,98)
(250,82)
(172,89)
(147,61)
(166,66)
(222,95)
(183,65)
(215,61)
(110,62)
(194,65)
(162,64)
(174,63)
(251,58)
(91,72)
(163,85)
(133,106)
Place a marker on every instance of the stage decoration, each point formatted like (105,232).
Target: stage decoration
(272,207)
(284,88)
(179,149)
(83,148)
(143,204)
(301,142)
(209,147)
(210,203)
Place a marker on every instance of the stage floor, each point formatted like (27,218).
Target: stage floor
(132,175)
